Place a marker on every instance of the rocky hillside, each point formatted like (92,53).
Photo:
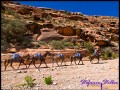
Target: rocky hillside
(45,24)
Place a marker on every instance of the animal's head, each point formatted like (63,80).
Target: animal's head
(47,53)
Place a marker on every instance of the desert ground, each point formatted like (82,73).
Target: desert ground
(64,77)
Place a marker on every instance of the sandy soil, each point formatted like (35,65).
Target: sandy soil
(64,77)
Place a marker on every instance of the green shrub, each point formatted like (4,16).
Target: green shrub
(29,81)
(11,12)
(62,44)
(36,46)
(105,56)
(12,31)
(57,44)
(89,46)
(115,55)
(68,44)
(108,53)
(42,42)
(48,80)
(107,50)
(4,45)
(26,42)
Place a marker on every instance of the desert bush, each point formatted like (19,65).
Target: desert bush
(42,42)
(11,12)
(89,46)
(4,45)
(12,31)
(62,44)
(115,55)
(57,44)
(29,81)
(48,80)
(26,42)
(68,44)
(36,46)
(105,56)
(108,53)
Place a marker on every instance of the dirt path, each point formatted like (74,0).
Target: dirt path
(65,77)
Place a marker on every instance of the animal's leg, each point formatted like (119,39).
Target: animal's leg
(19,65)
(45,63)
(6,64)
(82,61)
(34,63)
(53,62)
(75,60)
(98,60)
(79,62)
(61,62)
(91,60)
(57,62)
(71,59)
(30,64)
(64,61)
(24,64)
(40,64)
(11,65)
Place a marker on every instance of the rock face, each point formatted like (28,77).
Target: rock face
(51,24)
(24,11)
(34,28)
(49,34)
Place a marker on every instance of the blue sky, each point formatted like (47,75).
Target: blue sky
(104,8)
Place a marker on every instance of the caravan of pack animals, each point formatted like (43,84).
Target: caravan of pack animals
(33,37)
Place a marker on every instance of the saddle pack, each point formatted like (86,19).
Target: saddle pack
(60,55)
(16,55)
(77,54)
(37,55)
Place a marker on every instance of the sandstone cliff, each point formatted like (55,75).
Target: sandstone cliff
(51,24)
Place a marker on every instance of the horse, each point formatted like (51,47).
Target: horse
(91,57)
(95,55)
(40,59)
(11,60)
(75,58)
(56,58)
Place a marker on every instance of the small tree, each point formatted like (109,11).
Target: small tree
(12,31)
